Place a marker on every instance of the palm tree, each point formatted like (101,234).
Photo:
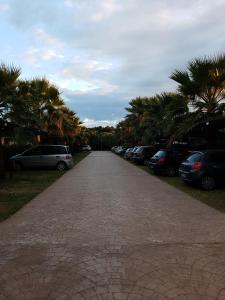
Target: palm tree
(203,83)
(151,119)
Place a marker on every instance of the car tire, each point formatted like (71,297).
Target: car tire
(18,166)
(208,183)
(170,171)
(61,166)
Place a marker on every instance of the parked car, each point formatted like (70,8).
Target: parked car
(86,148)
(206,168)
(48,156)
(128,152)
(133,151)
(143,154)
(121,150)
(113,149)
(167,161)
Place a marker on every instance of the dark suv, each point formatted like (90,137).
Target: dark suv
(143,154)
(206,168)
(167,161)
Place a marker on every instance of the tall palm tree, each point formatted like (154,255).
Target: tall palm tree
(203,83)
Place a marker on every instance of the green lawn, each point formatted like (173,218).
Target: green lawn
(25,185)
(215,199)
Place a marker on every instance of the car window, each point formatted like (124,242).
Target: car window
(34,151)
(53,150)
(195,157)
(60,150)
(47,150)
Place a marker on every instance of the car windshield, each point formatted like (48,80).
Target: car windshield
(194,157)
(136,150)
(160,154)
(140,149)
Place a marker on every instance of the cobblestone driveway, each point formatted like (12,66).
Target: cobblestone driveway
(108,230)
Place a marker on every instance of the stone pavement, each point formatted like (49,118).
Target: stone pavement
(108,230)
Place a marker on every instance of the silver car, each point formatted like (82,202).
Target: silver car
(46,156)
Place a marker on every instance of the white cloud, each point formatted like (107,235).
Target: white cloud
(79,87)
(47,54)
(47,40)
(93,123)
(35,56)
(84,69)
(86,77)
(4,7)
(106,9)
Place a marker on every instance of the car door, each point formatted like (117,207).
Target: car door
(32,157)
(49,153)
(53,154)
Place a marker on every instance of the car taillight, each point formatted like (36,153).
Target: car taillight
(161,161)
(67,156)
(197,165)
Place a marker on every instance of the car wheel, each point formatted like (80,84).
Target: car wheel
(171,172)
(61,166)
(18,166)
(208,183)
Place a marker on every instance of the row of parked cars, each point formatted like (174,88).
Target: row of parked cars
(205,168)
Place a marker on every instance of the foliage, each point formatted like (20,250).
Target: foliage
(152,119)
(199,100)
(203,83)
(99,138)
(30,107)
(33,111)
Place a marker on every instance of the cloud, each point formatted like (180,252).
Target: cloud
(34,56)
(47,40)
(101,53)
(4,7)
(93,123)
(106,9)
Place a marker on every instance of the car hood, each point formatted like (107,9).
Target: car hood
(15,156)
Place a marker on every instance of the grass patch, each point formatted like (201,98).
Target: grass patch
(25,185)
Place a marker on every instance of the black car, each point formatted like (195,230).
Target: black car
(143,154)
(133,152)
(128,152)
(206,168)
(167,161)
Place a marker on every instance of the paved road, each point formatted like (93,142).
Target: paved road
(108,230)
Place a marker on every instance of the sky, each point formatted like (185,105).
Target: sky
(103,53)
